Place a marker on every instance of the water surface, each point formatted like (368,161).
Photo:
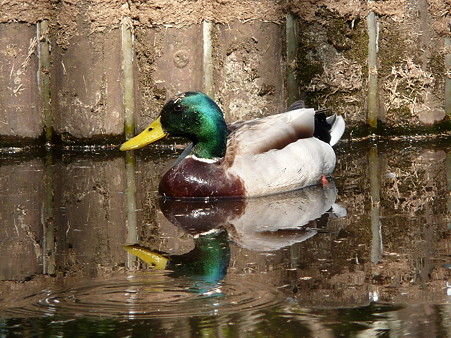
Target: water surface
(367,255)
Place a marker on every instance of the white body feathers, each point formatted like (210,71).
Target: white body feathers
(279,153)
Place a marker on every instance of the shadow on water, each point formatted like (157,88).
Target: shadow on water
(369,254)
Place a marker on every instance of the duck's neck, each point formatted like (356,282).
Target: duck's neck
(212,143)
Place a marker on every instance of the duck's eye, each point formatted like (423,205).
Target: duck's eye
(178,107)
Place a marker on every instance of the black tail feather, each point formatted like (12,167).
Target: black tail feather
(323,126)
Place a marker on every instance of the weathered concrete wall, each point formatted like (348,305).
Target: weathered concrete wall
(389,65)
(249,69)
(412,73)
(409,45)
(20,105)
(87,86)
(169,62)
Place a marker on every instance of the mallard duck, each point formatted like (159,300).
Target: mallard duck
(264,156)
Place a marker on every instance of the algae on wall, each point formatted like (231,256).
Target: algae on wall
(333,64)
(413,89)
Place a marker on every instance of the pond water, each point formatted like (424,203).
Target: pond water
(367,255)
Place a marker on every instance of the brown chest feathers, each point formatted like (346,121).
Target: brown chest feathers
(194,178)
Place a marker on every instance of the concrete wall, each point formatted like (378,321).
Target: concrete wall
(377,63)
(20,104)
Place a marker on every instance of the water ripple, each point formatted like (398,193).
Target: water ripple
(150,295)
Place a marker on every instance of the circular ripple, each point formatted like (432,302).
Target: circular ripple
(152,296)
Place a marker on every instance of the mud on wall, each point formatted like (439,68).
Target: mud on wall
(236,51)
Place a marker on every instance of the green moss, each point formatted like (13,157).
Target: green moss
(307,69)
(338,35)
(402,112)
(359,36)
(393,48)
(436,65)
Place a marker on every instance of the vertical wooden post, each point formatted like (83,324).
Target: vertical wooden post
(129,126)
(127,67)
(43,38)
(207,27)
(373,99)
(292,36)
(448,76)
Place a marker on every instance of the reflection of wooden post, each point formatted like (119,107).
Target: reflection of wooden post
(376,248)
(127,66)
(292,34)
(295,255)
(130,199)
(373,104)
(49,244)
(448,179)
(44,76)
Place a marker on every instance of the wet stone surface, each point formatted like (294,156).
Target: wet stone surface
(368,254)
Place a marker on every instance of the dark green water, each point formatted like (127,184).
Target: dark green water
(368,256)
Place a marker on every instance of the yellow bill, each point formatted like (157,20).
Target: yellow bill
(153,259)
(152,133)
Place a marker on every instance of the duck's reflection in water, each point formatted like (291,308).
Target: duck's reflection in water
(258,224)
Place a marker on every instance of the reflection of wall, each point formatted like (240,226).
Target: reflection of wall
(21,228)
(155,231)
(90,215)
(335,268)
(418,238)
(331,270)
(57,216)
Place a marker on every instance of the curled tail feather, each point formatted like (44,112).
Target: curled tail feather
(328,129)
(337,129)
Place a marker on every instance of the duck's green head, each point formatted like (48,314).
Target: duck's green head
(192,115)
